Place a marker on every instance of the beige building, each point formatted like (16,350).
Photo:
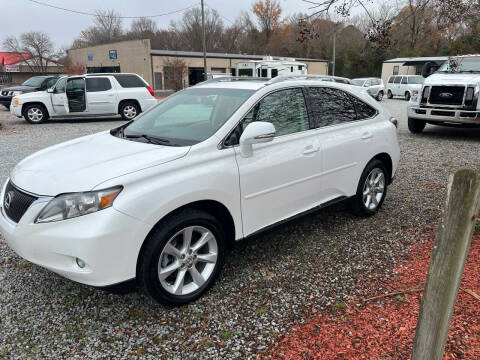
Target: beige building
(137,56)
(409,66)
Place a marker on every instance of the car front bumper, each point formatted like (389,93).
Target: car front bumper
(108,242)
(16,110)
(442,115)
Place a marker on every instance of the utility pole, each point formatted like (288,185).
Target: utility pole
(204,44)
(334,41)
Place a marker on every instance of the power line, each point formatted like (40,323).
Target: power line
(230,21)
(121,17)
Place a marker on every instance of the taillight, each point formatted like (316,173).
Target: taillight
(394,121)
(150,90)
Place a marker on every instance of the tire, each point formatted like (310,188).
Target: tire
(166,250)
(35,114)
(416,126)
(129,110)
(370,192)
(389,94)
(380,96)
(407,96)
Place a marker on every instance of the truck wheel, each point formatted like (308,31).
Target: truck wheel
(183,257)
(35,114)
(389,94)
(416,126)
(380,96)
(407,96)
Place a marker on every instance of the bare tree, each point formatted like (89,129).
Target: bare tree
(35,48)
(175,70)
(142,27)
(107,28)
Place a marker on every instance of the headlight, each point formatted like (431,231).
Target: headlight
(15,93)
(67,206)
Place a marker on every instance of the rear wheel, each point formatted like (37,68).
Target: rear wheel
(380,96)
(371,190)
(407,96)
(129,110)
(389,94)
(416,126)
(35,114)
(183,257)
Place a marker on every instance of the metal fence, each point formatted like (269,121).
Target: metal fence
(5,78)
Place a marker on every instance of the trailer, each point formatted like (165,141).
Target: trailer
(269,67)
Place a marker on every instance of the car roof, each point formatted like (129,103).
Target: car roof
(366,78)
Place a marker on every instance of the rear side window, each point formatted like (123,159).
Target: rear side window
(95,84)
(404,80)
(129,81)
(390,81)
(364,111)
(398,79)
(331,106)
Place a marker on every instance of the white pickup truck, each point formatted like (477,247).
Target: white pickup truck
(449,97)
(87,95)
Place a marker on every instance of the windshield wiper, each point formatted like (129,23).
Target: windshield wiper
(151,139)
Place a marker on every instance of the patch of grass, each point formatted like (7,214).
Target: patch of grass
(198,315)
(476,231)
(225,335)
(262,290)
(24,265)
(400,298)
(340,305)
(207,344)
(260,311)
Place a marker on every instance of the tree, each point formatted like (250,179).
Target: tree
(35,48)
(143,27)
(175,70)
(107,28)
(268,16)
(72,68)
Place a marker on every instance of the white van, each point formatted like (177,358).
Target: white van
(404,85)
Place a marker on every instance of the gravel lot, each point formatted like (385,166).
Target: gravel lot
(269,283)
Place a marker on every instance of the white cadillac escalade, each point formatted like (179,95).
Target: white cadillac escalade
(448,97)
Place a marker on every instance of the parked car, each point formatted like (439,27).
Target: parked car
(35,83)
(158,200)
(374,86)
(448,97)
(404,85)
(85,96)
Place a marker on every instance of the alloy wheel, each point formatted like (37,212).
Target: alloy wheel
(188,260)
(35,114)
(374,189)
(130,111)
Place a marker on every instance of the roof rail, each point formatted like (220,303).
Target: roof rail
(303,77)
(232,78)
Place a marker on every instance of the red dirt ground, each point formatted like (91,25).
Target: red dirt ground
(384,329)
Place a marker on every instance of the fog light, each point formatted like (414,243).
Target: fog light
(80,263)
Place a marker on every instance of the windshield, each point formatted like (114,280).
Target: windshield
(358,82)
(416,79)
(188,117)
(461,64)
(34,81)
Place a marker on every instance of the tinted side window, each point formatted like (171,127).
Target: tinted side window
(331,106)
(95,84)
(285,109)
(129,81)
(363,110)
(398,79)
(404,80)
(274,73)
(60,87)
(390,81)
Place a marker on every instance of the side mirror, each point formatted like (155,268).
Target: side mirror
(255,133)
(426,70)
(50,90)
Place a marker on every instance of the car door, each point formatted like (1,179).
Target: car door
(344,138)
(403,86)
(282,178)
(100,95)
(396,85)
(59,98)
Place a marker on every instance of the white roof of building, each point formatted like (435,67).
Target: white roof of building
(419,59)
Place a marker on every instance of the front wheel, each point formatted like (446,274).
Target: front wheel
(389,94)
(371,190)
(416,126)
(35,114)
(380,96)
(407,96)
(183,257)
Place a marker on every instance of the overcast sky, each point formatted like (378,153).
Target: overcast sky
(19,16)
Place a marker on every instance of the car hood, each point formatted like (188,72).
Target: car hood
(83,163)
(452,79)
(20,88)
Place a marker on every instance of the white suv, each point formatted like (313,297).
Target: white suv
(158,199)
(86,96)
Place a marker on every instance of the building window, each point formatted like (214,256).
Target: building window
(395,69)
(218,70)
(158,81)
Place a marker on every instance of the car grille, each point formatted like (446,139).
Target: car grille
(16,202)
(4,93)
(447,95)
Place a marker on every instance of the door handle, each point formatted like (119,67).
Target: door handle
(309,150)
(366,136)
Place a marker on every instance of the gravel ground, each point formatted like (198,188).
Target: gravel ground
(269,283)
